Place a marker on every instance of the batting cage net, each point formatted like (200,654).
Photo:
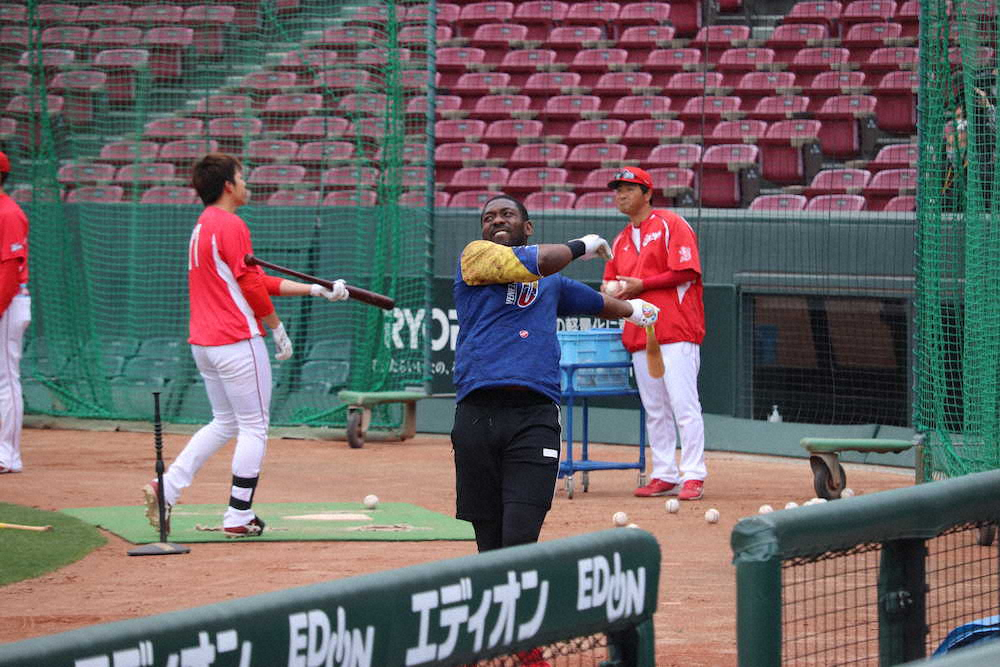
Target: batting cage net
(106,107)
(958,295)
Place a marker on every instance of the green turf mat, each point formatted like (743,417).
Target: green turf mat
(285,522)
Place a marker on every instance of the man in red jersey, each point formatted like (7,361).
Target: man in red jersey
(656,259)
(229,301)
(15,304)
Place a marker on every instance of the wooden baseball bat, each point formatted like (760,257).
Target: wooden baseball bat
(18,526)
(357,293)
(654,358)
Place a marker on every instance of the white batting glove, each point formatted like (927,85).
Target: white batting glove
(643,313)
(596,247)
(338,293)
(282,343)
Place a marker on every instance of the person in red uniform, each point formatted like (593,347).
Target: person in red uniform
(656,259)
(229,302)
(15,304)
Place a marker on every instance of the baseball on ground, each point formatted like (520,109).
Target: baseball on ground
(673,505)
(765,509)
(371,501)
(791,504)
(712,515)
(620,519)
(847,493)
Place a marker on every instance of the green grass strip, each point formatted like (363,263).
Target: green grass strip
(25,554)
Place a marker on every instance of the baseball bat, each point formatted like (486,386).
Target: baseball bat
(18,526)
(654,358)
(357,293)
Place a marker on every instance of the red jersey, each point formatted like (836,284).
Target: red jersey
(14,236)
(220,314)
(666,243)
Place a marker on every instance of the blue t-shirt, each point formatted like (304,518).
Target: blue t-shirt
(507,332)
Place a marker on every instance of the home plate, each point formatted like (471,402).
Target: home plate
(330,516)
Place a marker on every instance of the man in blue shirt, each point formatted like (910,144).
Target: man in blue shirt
(507,433)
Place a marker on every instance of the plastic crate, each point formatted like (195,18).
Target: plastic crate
(594,346)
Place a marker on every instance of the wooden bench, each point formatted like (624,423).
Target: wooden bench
(359,412)
(829,478)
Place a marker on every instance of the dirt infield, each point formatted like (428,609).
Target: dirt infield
(695,621)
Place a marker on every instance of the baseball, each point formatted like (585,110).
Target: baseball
(712,515)
(371,501)
(620,519)
(847,493)
(791,504)
(765,509)
(614,287)
(673,505)
(632,525)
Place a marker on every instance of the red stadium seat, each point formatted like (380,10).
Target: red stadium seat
(343,80)
(417,199)
(590,156)
(682,86)
(294,198)
(184,152)
(896,110)
(498,38)
(447,13)
(527,61)
(115,37)
(865,11)
(901,203)
(324,152)
(13,13)
(471,198)
(863,38)
(677,184)
(730,175)
(498,107)
(600,14)
(534,155)
(473,84)
(790,152)
(702,114)
(70,36)
(568,109)
(102,15)
(595,62)
(264,83)
(260,151)
(122,67)
(675,155)
(504,135)
(672,60)
(462,130)
(754,86)
(887,184)
(51,59)
(82,90)
(542,201)
(369,15)
(908,15)
(826,12)
(778,203)
(891,58)
(641,14)
(848,125)
(167,45)
(223,105)
(596,180)
(157,14)
(308,60)
(314,128)
(596,130)
(640,40)
(57,13)
(788,39)
(281,111)
(363,103)
(833,203)
(209,23)
(350,177)
(838,181)
(22,194)
(352,198)
(413,177)
(737,131)
(641,135)
(417,80)
(350,38)
(174,128)
(461,154)
(641,107)
(713,40)
(146,173)
(895,156)
(546,84)
(124,152)
(566,40)
(478,13)
(28,107)
(379,56)
(811,61)
(532,179)
(169,194)
(478,178)
(780,107)
(540,16)
(96,194)
(686,15)
(829,84)
(614,84)
(453,61)
(15,39)
(231,133)
(595,200)
(413,36)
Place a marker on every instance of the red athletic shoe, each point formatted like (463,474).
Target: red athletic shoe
(532,658)
(252,529)
(656,487)
(693,489)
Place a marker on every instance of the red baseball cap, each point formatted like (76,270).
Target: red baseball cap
(4,163)
(631,175)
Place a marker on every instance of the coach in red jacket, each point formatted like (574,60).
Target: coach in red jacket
(656,259)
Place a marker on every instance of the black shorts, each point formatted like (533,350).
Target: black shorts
(506,445)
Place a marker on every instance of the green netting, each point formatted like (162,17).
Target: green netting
(326,105)
(957,365)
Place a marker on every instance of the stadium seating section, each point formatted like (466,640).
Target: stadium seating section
(812,110)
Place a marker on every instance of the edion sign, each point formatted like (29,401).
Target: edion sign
(621,592)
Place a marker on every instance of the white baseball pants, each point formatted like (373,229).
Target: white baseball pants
(672,410)
(238,382)
(13,324)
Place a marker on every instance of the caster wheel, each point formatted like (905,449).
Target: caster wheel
(586,482)
(569,488)
(354,436)
(823,482)
(987,534)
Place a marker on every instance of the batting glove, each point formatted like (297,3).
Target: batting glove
(643,313)
(282,343)
(338,293)
(596,247)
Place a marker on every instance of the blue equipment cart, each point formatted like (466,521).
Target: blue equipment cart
(594,363)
